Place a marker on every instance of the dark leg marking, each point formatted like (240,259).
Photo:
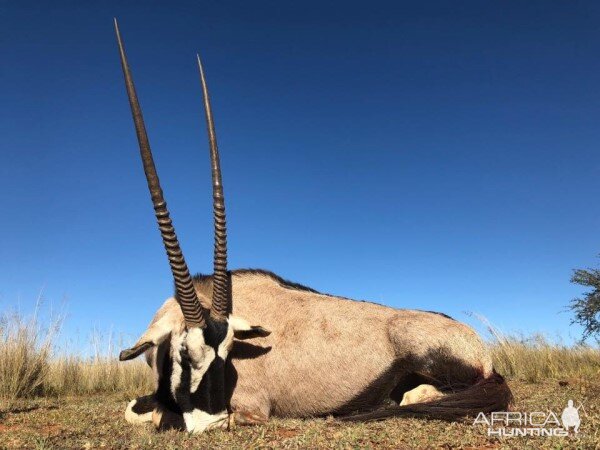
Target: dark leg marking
(144,404)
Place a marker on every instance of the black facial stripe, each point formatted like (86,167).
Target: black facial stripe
(182,392)
(163,394)
(215,333)
(217,378)
(210,395)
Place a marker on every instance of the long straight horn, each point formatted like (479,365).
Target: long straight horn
(186,295)
(220,301)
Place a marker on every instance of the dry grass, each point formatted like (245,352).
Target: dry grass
(25,351)
(75,376)
(30,367)
(535,359)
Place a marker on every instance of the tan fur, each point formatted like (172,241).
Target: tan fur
(329,355)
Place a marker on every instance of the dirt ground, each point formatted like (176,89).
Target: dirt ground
(97,422)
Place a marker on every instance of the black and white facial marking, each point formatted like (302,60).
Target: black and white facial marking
(192,377)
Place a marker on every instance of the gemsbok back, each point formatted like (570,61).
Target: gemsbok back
(237,347)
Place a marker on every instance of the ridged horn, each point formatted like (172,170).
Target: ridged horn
(220,301)
(186,294)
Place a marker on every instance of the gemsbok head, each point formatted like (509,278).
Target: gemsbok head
(191,374)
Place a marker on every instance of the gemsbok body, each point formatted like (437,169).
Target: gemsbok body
(237,347)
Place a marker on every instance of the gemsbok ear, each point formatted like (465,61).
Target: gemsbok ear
(242,330)
(157,332)
(135,351)
(253,332)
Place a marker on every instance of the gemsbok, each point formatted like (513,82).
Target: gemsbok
(237,347)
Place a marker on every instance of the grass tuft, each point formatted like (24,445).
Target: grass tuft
(30,367)
(534,359)
(25,362)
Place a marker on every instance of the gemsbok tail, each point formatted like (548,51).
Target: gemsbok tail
(488,395)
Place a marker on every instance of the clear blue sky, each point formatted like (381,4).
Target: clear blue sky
(440,156)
